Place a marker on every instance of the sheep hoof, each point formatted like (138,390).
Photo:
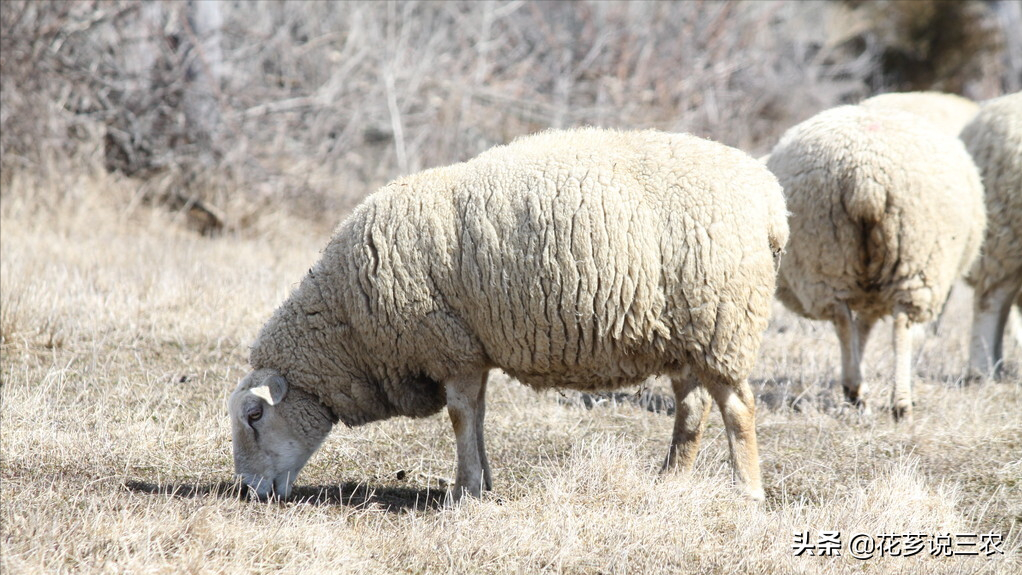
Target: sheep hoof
(902,413)
(450,502)
(852,395)
(454,497)
(459,494)
(755,495)
(857,400)
(976,376)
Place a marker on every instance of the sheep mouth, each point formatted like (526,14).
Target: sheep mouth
(266,490)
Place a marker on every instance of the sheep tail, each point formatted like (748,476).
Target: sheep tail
(865,199)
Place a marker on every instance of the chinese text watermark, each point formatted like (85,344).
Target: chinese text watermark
(866,546)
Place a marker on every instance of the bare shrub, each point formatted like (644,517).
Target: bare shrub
(307,105)
(928,44)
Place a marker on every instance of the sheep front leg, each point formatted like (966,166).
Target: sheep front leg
(465,406)
(692,407)
(901,400)
(990,314)
(738,407)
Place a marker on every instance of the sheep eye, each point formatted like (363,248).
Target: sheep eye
(255,415)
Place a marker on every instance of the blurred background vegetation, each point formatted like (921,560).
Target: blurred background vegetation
(225,109)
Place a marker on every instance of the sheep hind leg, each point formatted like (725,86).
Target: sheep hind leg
(853,333)
(465,399)
(1015,320)
(692,409)
(738,407)
(990,314)
(901,399)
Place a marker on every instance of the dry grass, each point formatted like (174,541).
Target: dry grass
(123,334)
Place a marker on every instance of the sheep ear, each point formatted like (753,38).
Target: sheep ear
(272,391)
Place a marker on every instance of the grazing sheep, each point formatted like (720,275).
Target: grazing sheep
(994,139)
(948,112)
(581,259)
(886,212)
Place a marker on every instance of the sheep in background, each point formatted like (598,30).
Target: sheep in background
(948,112)
(994,138)
(886,212)
(952,113)
(580,259)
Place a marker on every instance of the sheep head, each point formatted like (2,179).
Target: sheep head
(275,431)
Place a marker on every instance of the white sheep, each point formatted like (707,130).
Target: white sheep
(952,113)
(886,212)
(948,112)
(581,259)
(994,138)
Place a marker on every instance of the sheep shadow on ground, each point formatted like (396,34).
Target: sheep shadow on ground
(774,393)
(789,393)
(357,495)
(650,400)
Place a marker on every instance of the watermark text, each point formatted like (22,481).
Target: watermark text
(867,546)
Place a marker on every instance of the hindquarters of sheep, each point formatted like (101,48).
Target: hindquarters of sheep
(886,213)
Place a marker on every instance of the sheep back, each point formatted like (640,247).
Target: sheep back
(628,252)
(885,211)
(948,112)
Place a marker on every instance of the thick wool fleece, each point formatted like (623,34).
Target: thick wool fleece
(885,211)
(994,139)
(948,112)
(584,259)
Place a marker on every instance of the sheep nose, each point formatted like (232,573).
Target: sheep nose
(259,488)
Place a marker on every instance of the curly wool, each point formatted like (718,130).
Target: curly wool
(948,112)
(584,259)
(994,139)
(886,211)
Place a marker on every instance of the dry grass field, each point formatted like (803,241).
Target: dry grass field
(123,333)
